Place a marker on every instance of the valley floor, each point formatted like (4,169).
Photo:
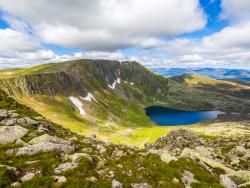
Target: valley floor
(228,126)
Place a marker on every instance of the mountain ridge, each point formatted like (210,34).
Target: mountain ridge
(121,90)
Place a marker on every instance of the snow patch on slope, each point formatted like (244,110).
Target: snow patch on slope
(89,97)
(78,104)
(118,81)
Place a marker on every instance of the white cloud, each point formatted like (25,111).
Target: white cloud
(12,41)
(228,48)
(107,24)
(16,23)
(19,50)
(235,10)
(103,55)
(236,36)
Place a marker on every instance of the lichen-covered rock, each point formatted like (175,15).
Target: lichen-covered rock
(64,167)
(60,179)
(175,181)
(32,162)
(211,162)
(16,184)
(11,134)
(179,138)
(188,179)
(117,153)
(238,150)
(241,174)
(3,114)
(14,115)
(30,121)
(40,147)
(91,179)
(48,138)
(9,167)
(116,184)
(101,148)
(29,175)
(27,121)
(76,157)
(167,157)
(9,122)
(227,182)
(21,142)
(140,185)
(87,150)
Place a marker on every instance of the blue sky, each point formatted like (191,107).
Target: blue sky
(160,33)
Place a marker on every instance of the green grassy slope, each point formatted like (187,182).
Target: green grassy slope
(155,172)
(46,89)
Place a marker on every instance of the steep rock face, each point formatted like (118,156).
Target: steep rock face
(79,77)
(70,77)
(45,84)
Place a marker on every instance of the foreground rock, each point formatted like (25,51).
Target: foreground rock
(40,147)
(64,167)
(9,167)
(140,185)
(227,182)
(60,179)
(177,139)
(11,134)
(116,184)
(76,157)
(3,114)
(29,175)
(48,138)
(188,179)
(211,162)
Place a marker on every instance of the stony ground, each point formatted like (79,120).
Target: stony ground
(36,153)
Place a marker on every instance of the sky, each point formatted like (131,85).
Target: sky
(156,33)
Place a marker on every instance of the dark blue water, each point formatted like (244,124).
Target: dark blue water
(169,117)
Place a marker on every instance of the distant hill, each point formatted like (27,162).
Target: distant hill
(216,73)
(229,87)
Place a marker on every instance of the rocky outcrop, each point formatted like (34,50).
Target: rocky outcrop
(48,138)
(40,147)
(209,161)
(11,134)
(177,139)
(64,167)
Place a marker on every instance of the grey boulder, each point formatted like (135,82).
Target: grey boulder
(40,147)
(48,138)
(11,134)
